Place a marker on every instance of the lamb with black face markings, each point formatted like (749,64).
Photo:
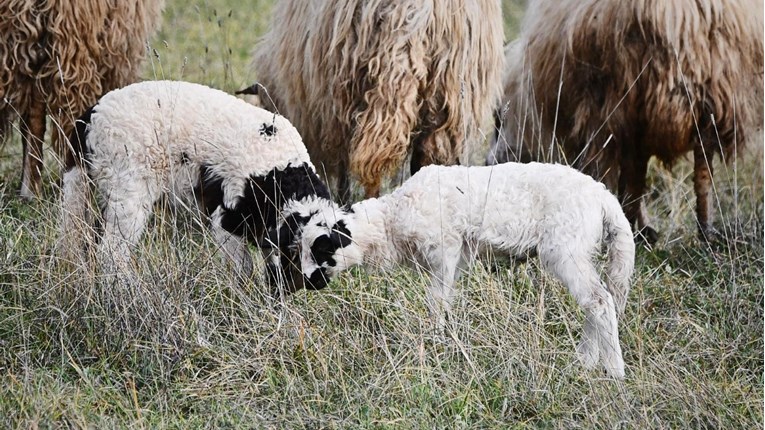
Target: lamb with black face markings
(196,146)
(443,216)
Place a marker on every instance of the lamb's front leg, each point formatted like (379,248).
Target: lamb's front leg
(233,247)
(125,219)
(443,262)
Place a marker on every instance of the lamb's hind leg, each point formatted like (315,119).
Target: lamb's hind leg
(601,335)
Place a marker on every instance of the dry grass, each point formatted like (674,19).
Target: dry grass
(194,349)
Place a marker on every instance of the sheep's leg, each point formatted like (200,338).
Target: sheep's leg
(702,185)
(631,189)
(32,137)
(76,218)
(601,335)
(233,247)
(443,263)
(467,256)
(419,157)
(343,185)
(124,223)
(61,142)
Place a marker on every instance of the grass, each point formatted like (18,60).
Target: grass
(200,351)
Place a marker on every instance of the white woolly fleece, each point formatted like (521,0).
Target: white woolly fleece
(143,132)
(442,216)
(156,138)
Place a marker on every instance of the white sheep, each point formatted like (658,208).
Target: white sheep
(192,144)
(442,216)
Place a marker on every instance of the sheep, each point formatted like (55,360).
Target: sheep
(607,84)
(442,216)
(58,58)
(367,82)
(194,145)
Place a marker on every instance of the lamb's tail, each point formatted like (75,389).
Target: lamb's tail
(75,219)
(621,251)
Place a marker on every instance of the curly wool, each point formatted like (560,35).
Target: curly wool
(606,84)
(365,82)
(59,57)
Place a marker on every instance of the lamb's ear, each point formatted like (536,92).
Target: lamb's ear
(340,236)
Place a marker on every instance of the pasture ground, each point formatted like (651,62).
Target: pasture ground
(188,348)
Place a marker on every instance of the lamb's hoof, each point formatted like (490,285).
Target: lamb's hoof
(614,368)
(588,354)
(647,236)
(28,194)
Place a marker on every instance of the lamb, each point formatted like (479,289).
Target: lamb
(367,82)
(441,216)
(58,58)
(195,145)
(605,85)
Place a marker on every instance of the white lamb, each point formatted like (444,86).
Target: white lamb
(443,215)
(196,146)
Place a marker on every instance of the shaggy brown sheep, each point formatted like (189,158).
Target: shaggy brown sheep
(365,82)
(57,58)
(605,85)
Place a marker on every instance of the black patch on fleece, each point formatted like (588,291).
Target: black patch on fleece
(264,197)
(342,234)
(323,250)
(317,280)
(267,129)
(209,190)
(78,139)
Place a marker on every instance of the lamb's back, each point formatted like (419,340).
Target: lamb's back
(504,204)
(163,123)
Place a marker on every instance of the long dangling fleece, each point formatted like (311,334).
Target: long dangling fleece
(367,82)
(604,85)
(57,58)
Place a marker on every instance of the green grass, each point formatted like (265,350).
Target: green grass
(197,350)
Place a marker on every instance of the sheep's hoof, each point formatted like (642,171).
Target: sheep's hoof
(709,234)
(647,235)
